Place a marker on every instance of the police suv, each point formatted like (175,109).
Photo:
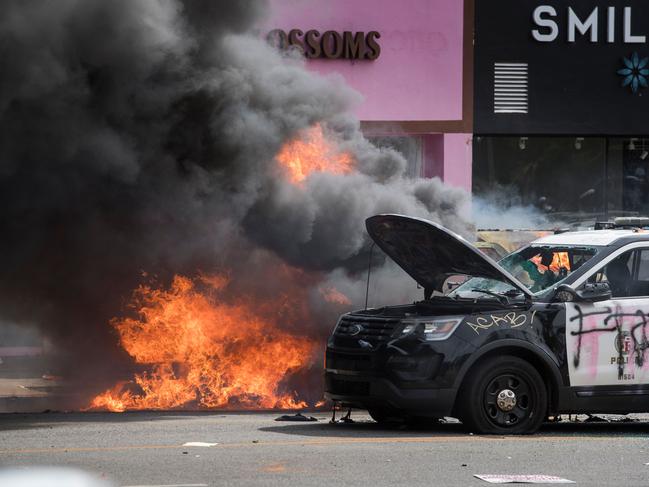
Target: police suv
(559,326)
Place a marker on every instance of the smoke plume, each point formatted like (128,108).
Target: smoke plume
(138,139)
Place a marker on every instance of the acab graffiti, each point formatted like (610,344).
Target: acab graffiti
(509,320)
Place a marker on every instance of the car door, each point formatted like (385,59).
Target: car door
(606,341)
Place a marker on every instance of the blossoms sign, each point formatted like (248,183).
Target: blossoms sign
(330,44)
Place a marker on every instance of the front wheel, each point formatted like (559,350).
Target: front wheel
(503,395)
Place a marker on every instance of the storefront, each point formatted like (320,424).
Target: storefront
(561,106)
(410,62)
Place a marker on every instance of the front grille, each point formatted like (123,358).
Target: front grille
(344,361)
(355,388)
(366,328)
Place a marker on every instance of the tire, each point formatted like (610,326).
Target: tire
(497,378)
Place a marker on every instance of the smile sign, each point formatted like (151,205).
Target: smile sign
(586,67)
(602,24)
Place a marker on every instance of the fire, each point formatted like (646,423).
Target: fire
(202,350)
(332,295)
(310,153)
(560,260)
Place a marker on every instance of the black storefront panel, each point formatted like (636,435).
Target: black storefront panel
(561,67)
(567,179)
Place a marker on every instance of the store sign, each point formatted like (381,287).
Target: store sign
(544,17)
(329,44)
(572,67)
(605,24)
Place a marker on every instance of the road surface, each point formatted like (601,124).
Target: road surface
(253,449)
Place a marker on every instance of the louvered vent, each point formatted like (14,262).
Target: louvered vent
(510,87)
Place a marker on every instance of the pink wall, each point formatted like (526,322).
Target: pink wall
(418,75)
(433,145)
(449,157)
(458,157)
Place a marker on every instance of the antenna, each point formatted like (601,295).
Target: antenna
(369,270)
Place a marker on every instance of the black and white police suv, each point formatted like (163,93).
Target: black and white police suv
(559,326)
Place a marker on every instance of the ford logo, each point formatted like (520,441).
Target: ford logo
(355,329)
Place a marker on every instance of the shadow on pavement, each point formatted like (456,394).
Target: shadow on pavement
(52,419)
(367,428)
(631,428)
(370,429)
(362,427)
(20,421)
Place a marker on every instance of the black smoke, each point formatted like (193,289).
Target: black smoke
(139,137)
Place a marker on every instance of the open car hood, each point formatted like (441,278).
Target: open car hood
(430,253)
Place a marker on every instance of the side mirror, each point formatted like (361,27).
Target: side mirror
(451,282)
(564,294)
(596,291)
(590,292)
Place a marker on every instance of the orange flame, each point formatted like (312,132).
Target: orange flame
(332,295)
(310,153)
(560,260)
(203,351)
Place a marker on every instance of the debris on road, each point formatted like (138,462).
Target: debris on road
(51,377)
(199,443)
(523,479)
(345,419)
(295,417)
(595,419)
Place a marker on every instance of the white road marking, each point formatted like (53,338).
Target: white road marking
(199,443)
(523,479)
(168,485)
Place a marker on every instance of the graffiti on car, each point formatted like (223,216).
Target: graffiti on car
(509,320)
(628,326)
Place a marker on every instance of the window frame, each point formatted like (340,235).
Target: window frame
(634,246)
(637,263)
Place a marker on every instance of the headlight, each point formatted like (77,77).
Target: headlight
(335,328)
(431,329)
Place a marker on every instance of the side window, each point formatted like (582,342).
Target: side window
(618,274)
(640,285)
(627,275)
(643,265)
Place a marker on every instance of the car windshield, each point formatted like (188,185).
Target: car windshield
(538,267)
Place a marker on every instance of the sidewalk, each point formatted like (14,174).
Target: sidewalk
(24,383)
(26,395)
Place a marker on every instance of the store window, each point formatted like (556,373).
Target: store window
(632,174)
(411,147)
(568,179)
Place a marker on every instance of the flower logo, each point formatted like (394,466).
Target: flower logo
(635,72)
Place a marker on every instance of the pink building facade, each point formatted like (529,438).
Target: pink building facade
(411,62)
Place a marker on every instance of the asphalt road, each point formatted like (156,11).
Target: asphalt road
(253,449)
